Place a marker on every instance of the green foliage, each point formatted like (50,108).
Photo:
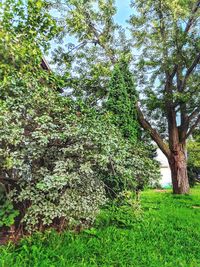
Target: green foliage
(25,29)
(51,159)
(122,101)
(56,161)
(123,211)
(59,160)
(165,41)
(194,152)
(97,43)
(165,58)
(42,175)
(193,149)
(7,211)
(121,104)
(166,35)
(7,214)
(162,237)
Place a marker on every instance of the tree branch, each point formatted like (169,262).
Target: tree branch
(9,181)
(190,69)
(193,114)
(190,21)
(185,123)
(193,127)
(154,134)
(97,35)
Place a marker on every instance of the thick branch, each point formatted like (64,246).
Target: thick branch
(194,114)
(193,127)
(190,21)
(189,119)
(154,134)
(190,69)
(82,44)
(9,181)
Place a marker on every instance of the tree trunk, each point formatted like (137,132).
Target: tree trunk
(178,166)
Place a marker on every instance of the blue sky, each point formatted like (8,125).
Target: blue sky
(123,11)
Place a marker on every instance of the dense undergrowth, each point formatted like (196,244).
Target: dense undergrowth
(166,232)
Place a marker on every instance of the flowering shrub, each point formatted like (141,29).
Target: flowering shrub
(59,165)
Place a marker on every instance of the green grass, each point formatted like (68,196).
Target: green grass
(167,234)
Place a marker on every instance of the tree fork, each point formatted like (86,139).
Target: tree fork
(176,156)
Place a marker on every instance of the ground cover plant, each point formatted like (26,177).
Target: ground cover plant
(167,233)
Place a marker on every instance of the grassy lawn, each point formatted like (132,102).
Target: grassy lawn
(167,234)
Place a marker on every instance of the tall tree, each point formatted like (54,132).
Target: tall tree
(121,101)
(166,41)
(166,32)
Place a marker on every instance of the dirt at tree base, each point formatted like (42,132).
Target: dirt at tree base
(7,236)
(161,190)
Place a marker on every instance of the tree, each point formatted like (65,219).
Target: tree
(166,38)
(171,55)
(93,50)
(121,101)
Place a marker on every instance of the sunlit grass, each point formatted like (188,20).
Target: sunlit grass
(167,234)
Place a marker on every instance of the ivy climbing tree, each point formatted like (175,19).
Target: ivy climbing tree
(122,98)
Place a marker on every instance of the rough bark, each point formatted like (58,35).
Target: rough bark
(175,152)
(178,166)
(153,133)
